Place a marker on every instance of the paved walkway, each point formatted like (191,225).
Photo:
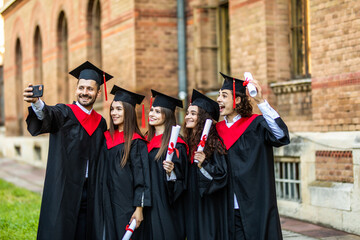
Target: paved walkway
(32,178)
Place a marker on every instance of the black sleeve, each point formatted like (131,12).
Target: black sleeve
(176,188)
(54,119)
(217,168)
(269,136)
(101,197)
(140,169)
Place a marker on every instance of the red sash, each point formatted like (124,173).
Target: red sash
(118,138)
(156,143)
(89,121)
(232,134)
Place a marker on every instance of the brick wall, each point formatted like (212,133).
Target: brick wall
(139,47)
(335,166)
(335,59)
(156,46)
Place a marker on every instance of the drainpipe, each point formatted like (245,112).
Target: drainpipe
(182,55)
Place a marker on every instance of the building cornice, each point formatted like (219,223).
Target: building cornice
(301,85)
(9,5)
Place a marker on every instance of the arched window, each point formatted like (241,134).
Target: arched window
(38,76)
(63,59)
(94,31)
(19,86)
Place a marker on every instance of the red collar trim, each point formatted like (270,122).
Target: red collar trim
(89,121)
(232,134)
(156,143)
(118,138)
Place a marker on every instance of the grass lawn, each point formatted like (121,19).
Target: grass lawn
(19,212)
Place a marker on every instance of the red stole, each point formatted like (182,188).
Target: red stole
(89,121)
(232,134)
(118,138)
(156,143)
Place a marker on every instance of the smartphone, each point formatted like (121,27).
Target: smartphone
(37,91)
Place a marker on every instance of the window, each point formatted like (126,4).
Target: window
(211,43)
(287,178)
(94,31)
(94,36)
(299,39)
(19,86)
(62,69)
(38,76)
(223,40)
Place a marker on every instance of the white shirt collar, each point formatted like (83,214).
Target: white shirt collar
(236,118)
(84,109)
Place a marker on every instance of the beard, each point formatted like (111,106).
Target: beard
(90,102)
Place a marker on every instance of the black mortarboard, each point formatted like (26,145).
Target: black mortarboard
(126,96)
(89,71)
(206,103)
(162,100)
(229,84)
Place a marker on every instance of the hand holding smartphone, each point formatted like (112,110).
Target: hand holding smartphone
(33,93)
(37,91)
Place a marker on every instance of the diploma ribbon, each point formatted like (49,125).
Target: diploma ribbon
(246,82)
(172,148)
(202,141)
(127,228)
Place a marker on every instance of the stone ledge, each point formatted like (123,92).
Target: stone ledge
(293,86)
(331,195)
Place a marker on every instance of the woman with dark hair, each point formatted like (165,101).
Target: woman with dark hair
(165,219)
(123,187)
(249,139)
(206,210)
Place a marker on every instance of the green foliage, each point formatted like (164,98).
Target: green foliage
(19,212)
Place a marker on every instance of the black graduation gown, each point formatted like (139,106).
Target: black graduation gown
(207,201)
(121,189)
(165,219)
(70,148)
(250,158)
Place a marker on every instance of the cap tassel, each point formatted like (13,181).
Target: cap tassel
(105,86)
(234,104)
(150,107)
(143,117)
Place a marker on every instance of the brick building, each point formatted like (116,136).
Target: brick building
(305,53)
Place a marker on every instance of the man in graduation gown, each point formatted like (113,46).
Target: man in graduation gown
(76,136)
(249,139)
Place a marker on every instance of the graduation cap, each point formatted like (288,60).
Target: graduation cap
(162,100)
(89,71)
(206,103)
(124,95)
(232,84)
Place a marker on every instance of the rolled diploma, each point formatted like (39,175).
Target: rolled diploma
(206,130)
(173,139)
(128,233)
(250,86)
